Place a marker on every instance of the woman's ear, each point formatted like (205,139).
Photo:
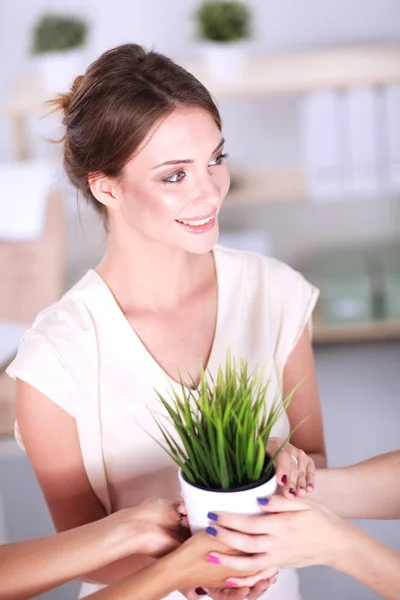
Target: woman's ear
(104,190)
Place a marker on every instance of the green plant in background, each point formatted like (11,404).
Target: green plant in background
(58,33)
(222,427)
(223,21)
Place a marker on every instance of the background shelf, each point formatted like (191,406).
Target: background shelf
(355,332)
(303,72)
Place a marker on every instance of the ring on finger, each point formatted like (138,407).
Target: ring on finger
(294,458)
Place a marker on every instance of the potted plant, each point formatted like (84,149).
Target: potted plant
(224,26)
(217,433)
(58,42)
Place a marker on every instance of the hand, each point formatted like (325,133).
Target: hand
(297,533)
(295,471)
(197,572)
(152,528)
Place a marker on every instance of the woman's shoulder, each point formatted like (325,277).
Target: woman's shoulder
(252,264)
(71,313)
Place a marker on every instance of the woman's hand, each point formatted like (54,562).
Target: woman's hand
(152,528)
(295,471)
(297,533)
(202,575)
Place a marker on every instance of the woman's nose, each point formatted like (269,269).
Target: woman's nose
(207,193)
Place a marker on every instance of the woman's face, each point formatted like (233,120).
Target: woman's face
(173,188)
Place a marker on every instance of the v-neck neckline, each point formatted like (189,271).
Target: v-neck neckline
(131,332)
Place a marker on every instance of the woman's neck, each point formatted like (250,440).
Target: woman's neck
(151,276)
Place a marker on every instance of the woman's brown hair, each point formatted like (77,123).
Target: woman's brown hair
(113,106)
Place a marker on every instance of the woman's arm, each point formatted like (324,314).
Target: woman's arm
(301,533)
(32,567)
(305,404)
(345,489)
(52,444)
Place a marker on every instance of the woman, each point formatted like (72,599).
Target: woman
(143,144)
(304,532)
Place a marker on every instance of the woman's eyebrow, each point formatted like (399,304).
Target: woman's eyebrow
(185,161)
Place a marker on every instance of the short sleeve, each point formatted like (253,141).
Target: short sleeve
(295,299)
(39,364)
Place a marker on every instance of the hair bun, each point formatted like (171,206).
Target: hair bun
(63,101)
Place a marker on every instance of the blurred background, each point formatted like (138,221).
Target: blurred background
(309,92)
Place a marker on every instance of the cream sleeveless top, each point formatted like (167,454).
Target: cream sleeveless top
(82,354)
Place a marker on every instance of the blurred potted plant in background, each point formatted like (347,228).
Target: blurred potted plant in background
(224,26)
(58,42)
(217,433)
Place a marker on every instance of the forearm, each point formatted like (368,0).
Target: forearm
(370,562)
(30,568)
(114,572)
(153,583)
(344,489)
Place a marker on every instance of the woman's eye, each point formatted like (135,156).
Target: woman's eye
(174,178)
(218,159)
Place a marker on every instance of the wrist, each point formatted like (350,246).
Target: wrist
(120,536)
(166,571)
(346,544)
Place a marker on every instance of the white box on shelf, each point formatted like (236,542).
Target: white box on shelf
(392,106)
(320,145)
(362,106)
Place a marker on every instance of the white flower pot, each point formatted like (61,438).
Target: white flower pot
(224,61)
(58,70)
(199,501)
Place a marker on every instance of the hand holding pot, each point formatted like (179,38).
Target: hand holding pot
(300,533)
(214,580)
(152,527)
(295,470)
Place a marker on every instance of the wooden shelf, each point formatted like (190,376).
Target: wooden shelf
(269,75)
(269,187)
(356,332)
(335,68)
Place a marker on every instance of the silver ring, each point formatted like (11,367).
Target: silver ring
(294,458)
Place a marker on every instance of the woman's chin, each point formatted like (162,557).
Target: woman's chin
(202,244)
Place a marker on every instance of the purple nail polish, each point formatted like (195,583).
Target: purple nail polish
(284,479)
(292,491)
(200,592)
(263,500)
(211,531)
(212,516)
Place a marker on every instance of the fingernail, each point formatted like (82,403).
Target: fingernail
(273,580)
(211,531)
(302,487)
(292,491)
(284,479)
(263,500)
(310,485)
(212,559)
(212,516)
(200,592)
(230,583)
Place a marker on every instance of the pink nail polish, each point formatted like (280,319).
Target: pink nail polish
(230,583)
(213,559)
